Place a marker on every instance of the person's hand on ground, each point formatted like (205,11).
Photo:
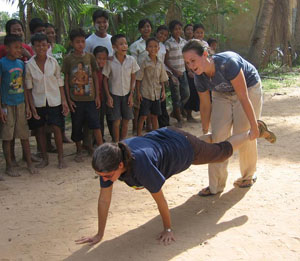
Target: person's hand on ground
(91,240)
(166,237)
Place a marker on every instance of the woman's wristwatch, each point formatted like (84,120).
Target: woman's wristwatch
(168,230)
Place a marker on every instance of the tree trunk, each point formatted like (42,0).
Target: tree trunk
(22,17)
(174,13)
(28,19)
(297,29)
(260,33)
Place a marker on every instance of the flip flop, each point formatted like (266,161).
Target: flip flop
(263,129)
(205,192)
(249,184)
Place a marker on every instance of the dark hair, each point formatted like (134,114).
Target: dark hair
(49,25)
(11,38)
(100,49)
(150,40)
(76,33)
(11,22)
(197,26)
(211,40)
(173,23)
(108,156)
(162,27)
(186,26)
(100,13)
(116,37)
(142,23)
(38,38)
(35,23)
(195,45)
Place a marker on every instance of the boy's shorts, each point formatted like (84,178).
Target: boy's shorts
(121,110)
(148,106)
(204,152)
(85,111)
(16,124)
(48,115)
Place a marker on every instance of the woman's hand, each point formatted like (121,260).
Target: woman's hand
(254,132)
(166,237)
(91,240)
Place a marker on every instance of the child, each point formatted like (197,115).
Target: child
(138,51)
(213,45)
(14,106)
(150,85)
(174,60)
(46,96)
(101,53)
(100,37)
(82,92)
(199,33)
(120,72)
(15,26)
(162,34)
(188,32)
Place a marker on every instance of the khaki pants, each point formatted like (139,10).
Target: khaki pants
(228,116)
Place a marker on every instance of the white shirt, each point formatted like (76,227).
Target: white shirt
(138,50)
(162,52)
(45,86)
(93,41)
(119,75)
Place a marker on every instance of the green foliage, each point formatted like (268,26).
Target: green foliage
(4,17)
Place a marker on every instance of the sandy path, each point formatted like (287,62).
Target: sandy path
(42,215)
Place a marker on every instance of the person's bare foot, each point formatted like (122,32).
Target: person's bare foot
(32,170)
(62,164)
(42,164)
(12,172)
(78,158)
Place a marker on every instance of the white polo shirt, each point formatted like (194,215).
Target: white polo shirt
(138,50)
(45,86)
(119,75)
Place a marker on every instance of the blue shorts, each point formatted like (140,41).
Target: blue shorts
(121,110)
(150,107)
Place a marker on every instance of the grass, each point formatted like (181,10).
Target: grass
(279,77)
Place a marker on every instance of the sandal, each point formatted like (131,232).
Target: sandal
(205,192)
(246,183)
(264,132)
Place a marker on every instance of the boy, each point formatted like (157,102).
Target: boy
(100,37)
(199,33)
(82,88)
(213,45)
(120,72)
(180,92)
(46,96)
(101,54)
(150,85)
(14,106)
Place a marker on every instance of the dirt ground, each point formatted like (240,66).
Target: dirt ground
(41,215)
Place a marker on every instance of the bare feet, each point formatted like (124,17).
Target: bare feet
(32,170)
(12,172)
(62,164)
(78,158)
(14,163)
(42,164)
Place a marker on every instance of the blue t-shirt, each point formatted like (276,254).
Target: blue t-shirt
(157,156)
(228,65)
(12,89)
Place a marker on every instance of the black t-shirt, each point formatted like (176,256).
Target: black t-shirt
(157,156)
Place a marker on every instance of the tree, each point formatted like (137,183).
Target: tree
(296,37)
(260,32)
(4,17)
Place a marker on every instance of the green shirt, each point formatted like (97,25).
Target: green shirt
(80,71)
(58,51)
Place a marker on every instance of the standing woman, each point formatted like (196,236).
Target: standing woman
(236,105)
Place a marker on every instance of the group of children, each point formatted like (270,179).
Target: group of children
(95,79)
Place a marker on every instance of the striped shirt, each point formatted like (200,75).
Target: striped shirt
(175,53)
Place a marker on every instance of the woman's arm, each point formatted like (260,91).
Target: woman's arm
(205,110)
(103,207)
(240,87)
(167,235)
